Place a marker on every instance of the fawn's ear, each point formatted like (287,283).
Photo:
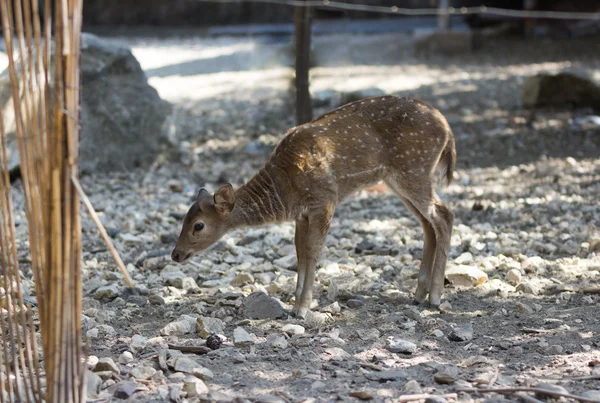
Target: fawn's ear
(202,193)
(224,200)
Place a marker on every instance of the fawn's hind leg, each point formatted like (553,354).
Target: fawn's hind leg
(300,242)
(436,220)
(442,218)
(428,258)
(429,246)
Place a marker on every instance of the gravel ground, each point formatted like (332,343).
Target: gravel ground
(525,249)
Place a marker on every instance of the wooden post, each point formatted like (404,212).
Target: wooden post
(443,15)
(302,20)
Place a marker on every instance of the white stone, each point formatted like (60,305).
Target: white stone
(242,338)
(125,358)
(138,343)
(293,330)
(466,276)
(513,276)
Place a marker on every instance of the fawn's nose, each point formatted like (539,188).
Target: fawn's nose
(176,256)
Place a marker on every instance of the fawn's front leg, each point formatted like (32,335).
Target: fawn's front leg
(317,227)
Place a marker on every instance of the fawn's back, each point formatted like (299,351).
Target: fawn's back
(360,144)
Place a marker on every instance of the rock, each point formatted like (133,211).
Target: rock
(206,326)
(242,279)
(565,88)
(238,358)
(269,399)
(125,358)
(361,395)
(447,374)
(107,364)
(203,373)
(333,308)
(143,372)
(276,341)
(242,338)
(464,258)
(592,394)
(438,333)
(397,345)
(123,121)
(387,375)
(466,276)
(129,238)
(213,341)
(92,360)
(315,320)
(139,300)
(172,275)
(184,364)
(445,307)
(259,305)
(176,392)
(287,262)
(527,288)
(107,292)
(317,385)
(448,42)
(93,333)
(513,276)
(125,389)
(138,343)
(354,303)
(413,387)
(523,308)
(549,387)
(194,387)
(214,396)
(435,399)
(364,245)
(156,300)
(461,333)
(94,383)
(185,324)
(185,283)
(555,349)
(368,334)
(293,330)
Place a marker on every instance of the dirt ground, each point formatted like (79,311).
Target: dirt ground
(525,197)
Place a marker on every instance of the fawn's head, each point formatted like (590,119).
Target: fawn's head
(205,222)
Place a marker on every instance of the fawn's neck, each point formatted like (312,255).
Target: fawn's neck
(258,202)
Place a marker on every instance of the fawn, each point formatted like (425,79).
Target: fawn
(401,141)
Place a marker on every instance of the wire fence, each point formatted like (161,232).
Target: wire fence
(482,10)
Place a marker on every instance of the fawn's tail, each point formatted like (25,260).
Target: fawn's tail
(447,161)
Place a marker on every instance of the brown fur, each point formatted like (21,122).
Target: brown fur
(317,165)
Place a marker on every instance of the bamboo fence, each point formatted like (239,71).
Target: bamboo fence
(44,77)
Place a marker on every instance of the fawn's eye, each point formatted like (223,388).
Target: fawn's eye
(199,226)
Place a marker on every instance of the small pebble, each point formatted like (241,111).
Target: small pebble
(354,303)
(125,358)
(555,349)
(461,333)
(293,330)
(397,345)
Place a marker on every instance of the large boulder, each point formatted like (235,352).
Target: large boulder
(569,87)
(124,122)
